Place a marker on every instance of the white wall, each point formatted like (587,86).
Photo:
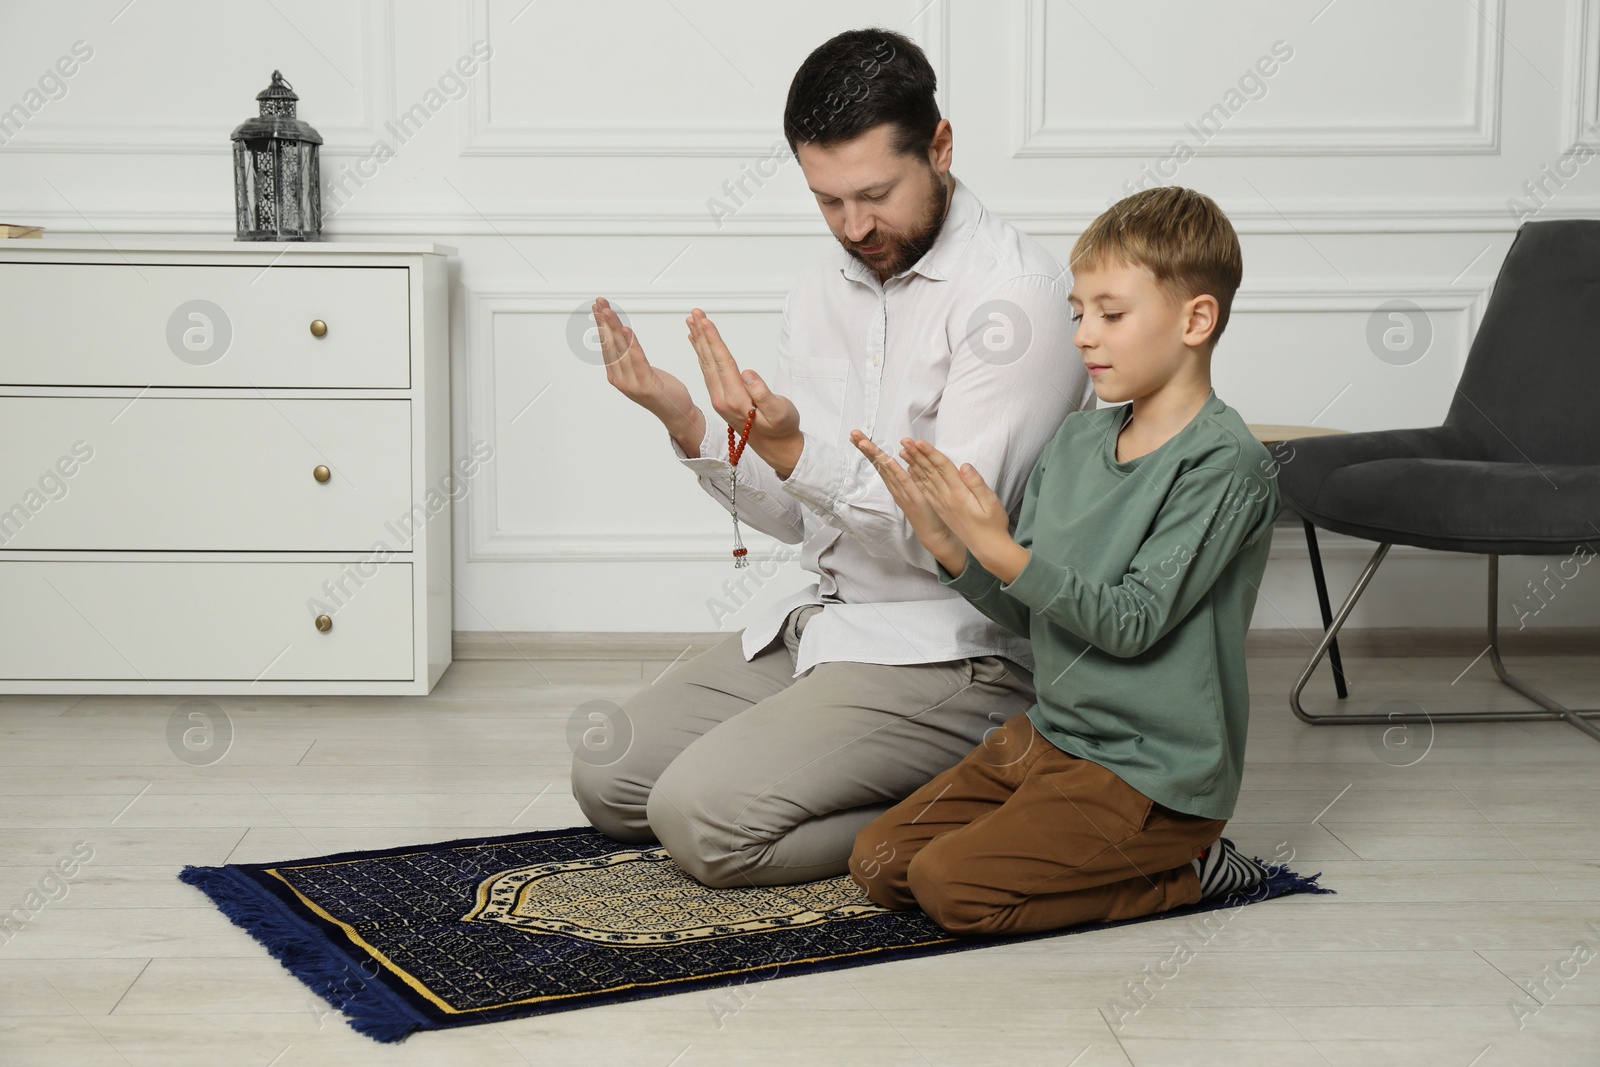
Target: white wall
(1375,163)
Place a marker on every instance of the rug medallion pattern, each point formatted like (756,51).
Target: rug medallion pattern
(641,897)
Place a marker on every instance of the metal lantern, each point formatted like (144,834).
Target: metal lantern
(277,184)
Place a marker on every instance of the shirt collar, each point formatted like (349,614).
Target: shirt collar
(959,224)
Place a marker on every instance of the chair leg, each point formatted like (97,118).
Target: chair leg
(1550,709)
(1573,715)
(1327,614)
(1330,634)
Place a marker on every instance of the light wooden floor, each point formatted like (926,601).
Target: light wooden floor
(1461,877)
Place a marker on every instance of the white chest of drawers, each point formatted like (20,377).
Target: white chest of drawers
(224,467)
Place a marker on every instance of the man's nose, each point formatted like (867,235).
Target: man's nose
(857,223)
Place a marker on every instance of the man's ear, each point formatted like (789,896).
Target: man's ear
(941,150)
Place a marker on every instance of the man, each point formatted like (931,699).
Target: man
(756,762)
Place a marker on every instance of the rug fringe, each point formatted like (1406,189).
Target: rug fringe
(1281,881)
(368,1008)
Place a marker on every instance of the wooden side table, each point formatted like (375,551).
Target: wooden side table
(1271,433)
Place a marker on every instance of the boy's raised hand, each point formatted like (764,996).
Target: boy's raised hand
(960,497)
(932,531)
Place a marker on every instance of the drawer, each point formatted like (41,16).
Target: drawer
(205,474)
(145,324)
(151,621)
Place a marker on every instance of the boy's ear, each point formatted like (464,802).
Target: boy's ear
(1200,320)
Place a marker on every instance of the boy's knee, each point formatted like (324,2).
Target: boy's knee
(877,866)
(934,879)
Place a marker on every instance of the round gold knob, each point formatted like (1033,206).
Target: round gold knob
(324,623)
(322,474)
(318,327)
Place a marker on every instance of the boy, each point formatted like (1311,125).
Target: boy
(1140,543)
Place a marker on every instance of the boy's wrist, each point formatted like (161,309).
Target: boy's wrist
(952,557)
(1003,558)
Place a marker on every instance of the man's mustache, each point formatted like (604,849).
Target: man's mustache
(869,241)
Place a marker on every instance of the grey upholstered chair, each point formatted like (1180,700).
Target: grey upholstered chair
(1514,470)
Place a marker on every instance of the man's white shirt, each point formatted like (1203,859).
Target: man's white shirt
(969,349)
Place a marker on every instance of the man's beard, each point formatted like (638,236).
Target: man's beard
(902,250)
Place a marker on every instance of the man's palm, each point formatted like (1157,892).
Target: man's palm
(733,394)
(654,389)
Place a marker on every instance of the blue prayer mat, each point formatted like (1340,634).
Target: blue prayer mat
(463,932)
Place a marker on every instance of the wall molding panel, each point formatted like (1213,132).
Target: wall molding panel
(1038,136)
(483,135)
(486,539)
(206,138)
(1580,81)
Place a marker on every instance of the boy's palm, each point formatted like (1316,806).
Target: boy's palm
(961,498)
(931,530)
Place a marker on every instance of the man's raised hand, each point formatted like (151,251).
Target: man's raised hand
(652,388)
(733,394)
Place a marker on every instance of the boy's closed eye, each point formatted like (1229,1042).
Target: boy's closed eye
(1109,316)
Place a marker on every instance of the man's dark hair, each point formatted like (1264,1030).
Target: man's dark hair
(856,81)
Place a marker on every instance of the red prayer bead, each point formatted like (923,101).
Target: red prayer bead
(735,451)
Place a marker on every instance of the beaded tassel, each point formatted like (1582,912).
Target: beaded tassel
(734,452)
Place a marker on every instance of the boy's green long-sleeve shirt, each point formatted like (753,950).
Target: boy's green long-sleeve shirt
(1137,596)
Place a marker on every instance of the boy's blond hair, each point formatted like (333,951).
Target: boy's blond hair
(1179,235)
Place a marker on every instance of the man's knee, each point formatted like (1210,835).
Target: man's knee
(696,836)
(610,802)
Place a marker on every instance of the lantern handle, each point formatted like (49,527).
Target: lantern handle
(278,79)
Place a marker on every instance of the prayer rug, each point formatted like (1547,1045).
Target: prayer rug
(429,937)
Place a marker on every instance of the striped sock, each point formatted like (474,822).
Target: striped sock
(1224,869)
